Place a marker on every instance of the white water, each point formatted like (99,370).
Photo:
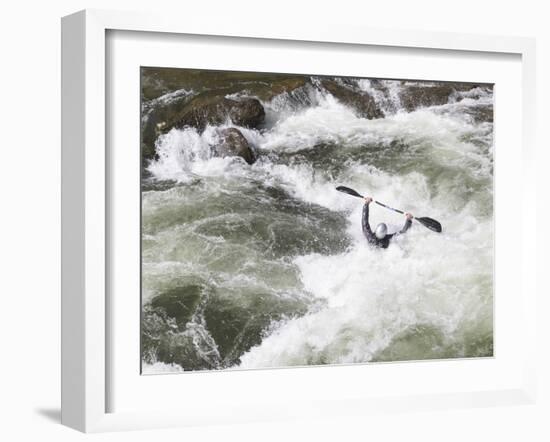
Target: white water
(373,297)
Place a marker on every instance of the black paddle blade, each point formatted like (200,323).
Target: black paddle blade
(348,191)
(430,223)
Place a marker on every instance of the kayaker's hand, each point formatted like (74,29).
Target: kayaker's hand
(368,200)
(409,215)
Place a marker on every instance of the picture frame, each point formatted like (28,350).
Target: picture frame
(87,208)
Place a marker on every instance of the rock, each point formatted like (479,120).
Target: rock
(482,114)
(153,122)
(247,112)
(207,109)
(158,81)
(416,96)
(364,105)
(198,112)
(234,144)
(148,153)
(280,86)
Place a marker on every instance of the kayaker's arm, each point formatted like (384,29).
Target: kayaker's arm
(365,220)
(408,223)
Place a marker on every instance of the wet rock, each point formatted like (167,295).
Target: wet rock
(364,105)
(155,114)
(482,114)
(148,153)
(413,97)
(206,109)
(287,85)
(234,144)
(198,112)
(158,81)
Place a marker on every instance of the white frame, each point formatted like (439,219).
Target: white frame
(84,202)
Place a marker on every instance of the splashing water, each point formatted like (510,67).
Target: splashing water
(283,274)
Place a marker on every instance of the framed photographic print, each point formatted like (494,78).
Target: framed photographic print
(249,214)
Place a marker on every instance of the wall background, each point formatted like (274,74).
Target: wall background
(30,214)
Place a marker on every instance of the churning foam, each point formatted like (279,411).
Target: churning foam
(441,281)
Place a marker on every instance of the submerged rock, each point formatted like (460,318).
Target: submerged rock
(239,323)
(179,303)
(172,330)
(197,328)
(234,144)
(364,105)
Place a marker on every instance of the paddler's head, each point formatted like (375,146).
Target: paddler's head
(381,231)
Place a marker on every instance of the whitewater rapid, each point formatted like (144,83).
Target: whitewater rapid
(427,296)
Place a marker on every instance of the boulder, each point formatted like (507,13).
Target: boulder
(482,114)
(234,144)
(268,91)
(364,105)
(155,114)
(207,109)
(198,112)
(416,96)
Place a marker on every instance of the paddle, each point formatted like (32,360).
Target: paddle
(430,223)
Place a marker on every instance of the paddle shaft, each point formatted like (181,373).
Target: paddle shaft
(388,207)
(352,192)
(427,222)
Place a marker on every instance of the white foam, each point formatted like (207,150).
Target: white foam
(372,296)
(387,97)
(185,153)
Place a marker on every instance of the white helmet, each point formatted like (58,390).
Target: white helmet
(381,231)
